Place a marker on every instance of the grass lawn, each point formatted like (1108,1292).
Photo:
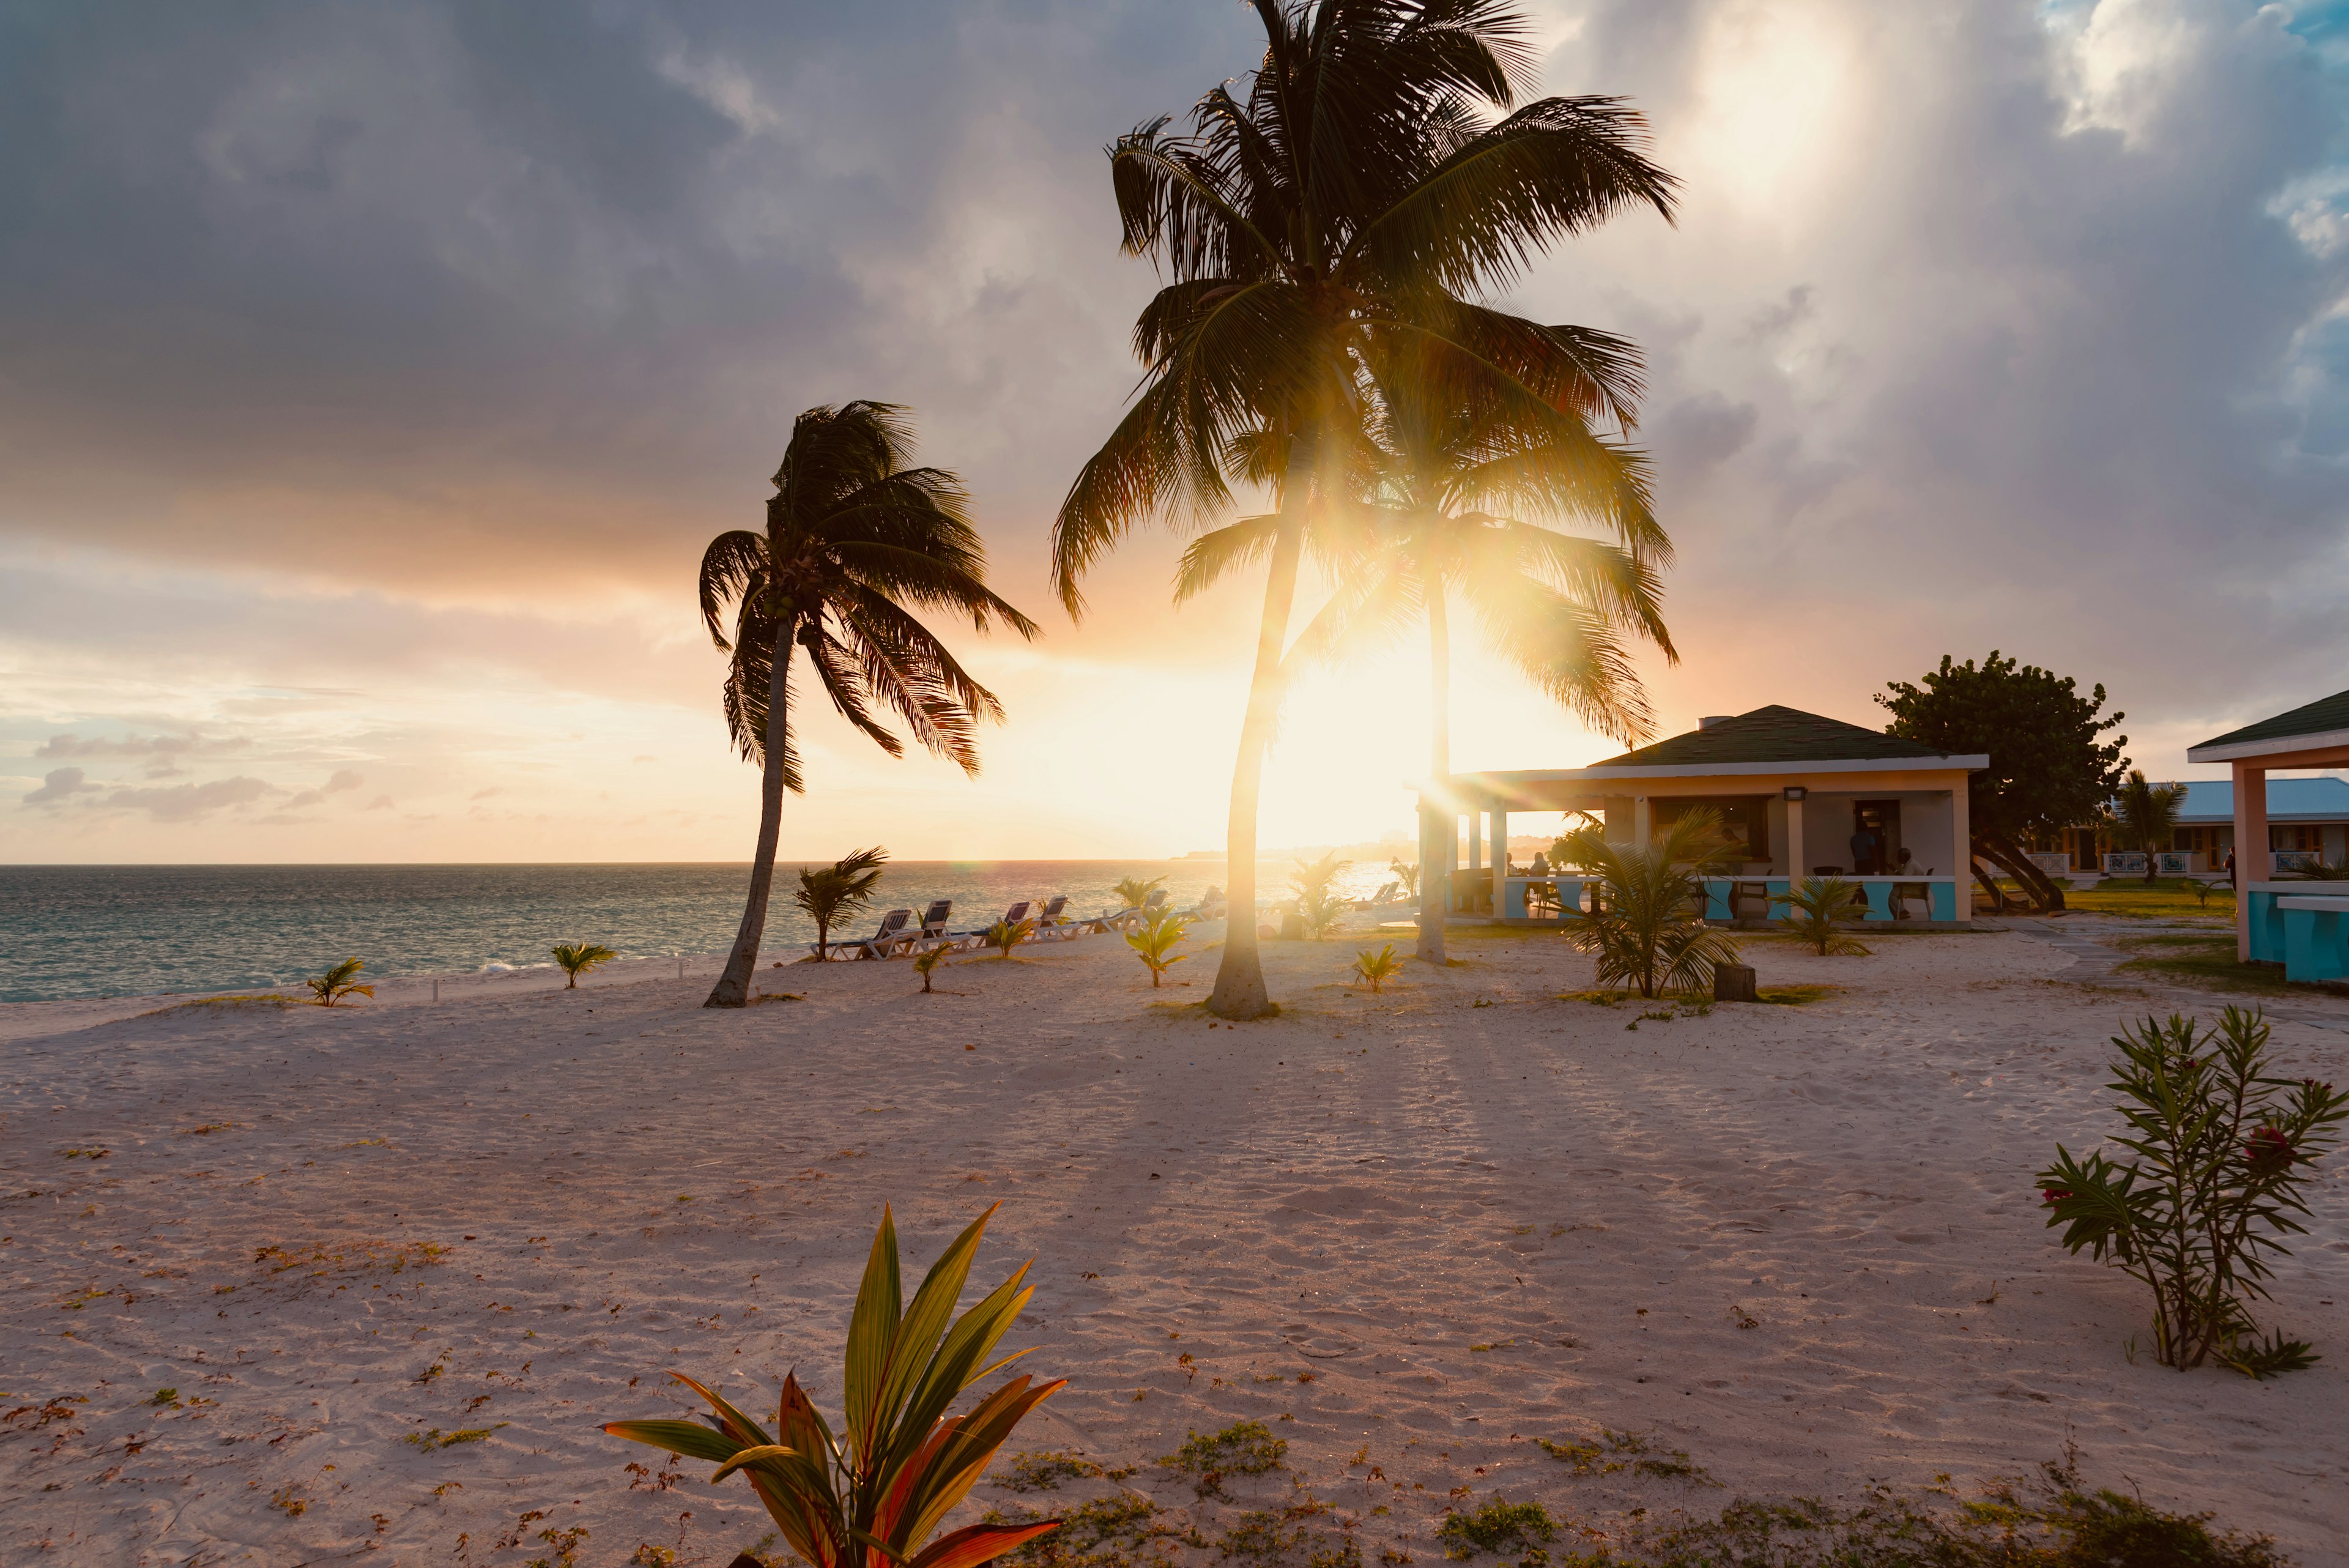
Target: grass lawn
(2208,962)
(2131,899)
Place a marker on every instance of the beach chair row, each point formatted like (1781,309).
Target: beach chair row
(901,937)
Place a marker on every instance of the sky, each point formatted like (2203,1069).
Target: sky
(371,377)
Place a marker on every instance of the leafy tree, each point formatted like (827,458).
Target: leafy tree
(853,537)
(1351,195)
(1643,924)
(578,957)
(2146,816)
(830,893)
(2049,768)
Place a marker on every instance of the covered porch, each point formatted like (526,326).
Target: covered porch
(2289,921)
(1799,795)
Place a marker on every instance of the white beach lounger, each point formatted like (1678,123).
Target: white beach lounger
(933,929)
(892,926)
(973,941)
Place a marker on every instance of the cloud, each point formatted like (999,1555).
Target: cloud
(344,779)
(380,803)
(136,745)
(485,794)
(190,803)
(61,784)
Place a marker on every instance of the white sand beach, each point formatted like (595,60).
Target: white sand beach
(1410,1233)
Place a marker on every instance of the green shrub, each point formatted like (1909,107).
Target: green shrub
(578,957)
(1644,925)
(1499,1526)
(338,982)
(1242,1448)
(899,1463)
(1819,911)
(2221,1149)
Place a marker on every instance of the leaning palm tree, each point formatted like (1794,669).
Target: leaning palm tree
(853,539)
(2146,816)
(1354,192)
(828,894)
(1449,491)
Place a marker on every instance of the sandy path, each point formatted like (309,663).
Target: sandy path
(1474,1214)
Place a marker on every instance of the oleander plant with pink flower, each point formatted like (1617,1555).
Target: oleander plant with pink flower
(2218,1151)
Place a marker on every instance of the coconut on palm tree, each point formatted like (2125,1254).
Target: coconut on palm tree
(1354,196)
(855,542)
(2145,815)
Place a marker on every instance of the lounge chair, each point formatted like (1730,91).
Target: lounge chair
(973,941)
(933,929)
(892,926)
(1391,893)
(1052,924)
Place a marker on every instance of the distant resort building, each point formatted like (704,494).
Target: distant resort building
(2308,819)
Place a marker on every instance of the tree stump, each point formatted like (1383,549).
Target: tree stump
(1734,983)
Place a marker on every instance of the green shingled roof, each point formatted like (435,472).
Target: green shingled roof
(2320,717)
(1773,735)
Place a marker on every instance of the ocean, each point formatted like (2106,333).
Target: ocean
(69,932)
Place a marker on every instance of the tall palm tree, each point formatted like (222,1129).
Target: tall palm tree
(1354,194)
(853,537)
(1450,480)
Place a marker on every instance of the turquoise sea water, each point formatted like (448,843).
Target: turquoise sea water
(138,931)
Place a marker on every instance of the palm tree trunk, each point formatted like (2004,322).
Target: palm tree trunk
(1240,976)
(733,987)
(1435,836)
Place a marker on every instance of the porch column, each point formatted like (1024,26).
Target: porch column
(2251,848)
(1500,861)
(1961,838)
(1795,868)
(1643,822)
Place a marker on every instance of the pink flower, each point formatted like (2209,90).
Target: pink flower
(2051,1196)
(2269,1149)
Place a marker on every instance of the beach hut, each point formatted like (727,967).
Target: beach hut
(1794,788)
(2269,914)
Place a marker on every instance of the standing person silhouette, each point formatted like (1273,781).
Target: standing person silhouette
(1862,851)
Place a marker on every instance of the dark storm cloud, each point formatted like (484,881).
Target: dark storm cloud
(591,258)
(2040,347)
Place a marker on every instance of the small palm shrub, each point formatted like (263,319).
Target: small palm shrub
(1136,891)
(870,1495)
(830,894)
(1154,940)
(1375,967)
(2202,891)
(579,958)
(1319,908)
(1820,911)
(2220,1150)
(1644,925)
(927,962)
(1005,935)
(338,982)
(1406,874)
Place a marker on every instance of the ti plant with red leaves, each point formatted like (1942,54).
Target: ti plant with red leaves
(2221,1150)
(870,1495)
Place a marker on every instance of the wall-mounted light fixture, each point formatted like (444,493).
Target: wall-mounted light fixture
(1796,792)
